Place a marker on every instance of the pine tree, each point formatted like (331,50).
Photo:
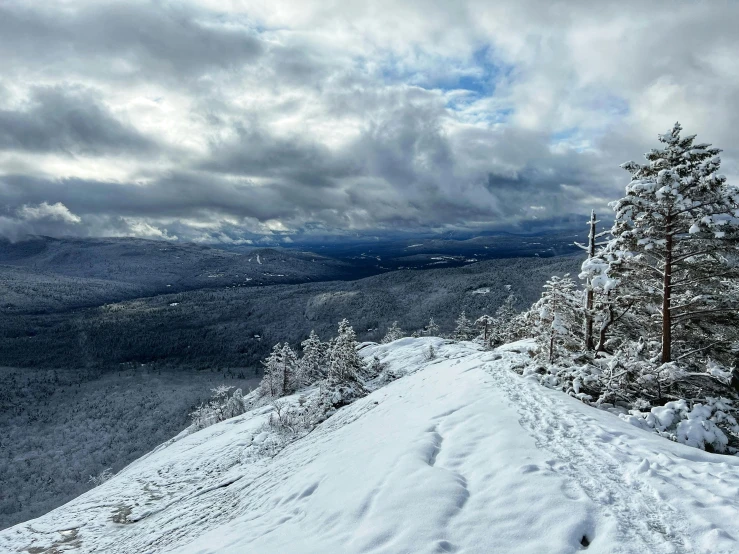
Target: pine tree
(676,239)
(484,322)
(463,329)
(345,364)
(501,330)
(432,329)
(558,312)
(272,381)
(393,333)
(234,405)
(314,360)
(289,370)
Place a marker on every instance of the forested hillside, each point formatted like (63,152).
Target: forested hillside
(236,327)
(61,427)
(47,274)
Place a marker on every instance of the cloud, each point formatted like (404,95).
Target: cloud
(120,41)
(68,120)
(231,121)
(42,219)
(56,212)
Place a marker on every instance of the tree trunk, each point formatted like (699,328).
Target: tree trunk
(589,320)
(551,348)
(589,296)
(604,330)
(667,295)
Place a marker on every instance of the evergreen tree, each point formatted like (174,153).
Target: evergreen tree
(314,360)
(676,241)
(463,329)
(290,370)
(558,313)
(234,405)
(484,322)
(345,364)
(502,328)
(393,333)
(432,329)
(273,379)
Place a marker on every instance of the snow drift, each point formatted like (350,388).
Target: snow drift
(458,455)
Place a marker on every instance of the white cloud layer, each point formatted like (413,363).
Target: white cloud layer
(223,120)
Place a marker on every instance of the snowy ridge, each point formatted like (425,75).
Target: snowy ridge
(459,455)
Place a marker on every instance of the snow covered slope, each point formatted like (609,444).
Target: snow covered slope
(460,455)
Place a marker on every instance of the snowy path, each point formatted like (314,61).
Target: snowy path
(660,496)
(460,455)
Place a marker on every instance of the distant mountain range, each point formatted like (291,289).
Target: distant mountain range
(121,268)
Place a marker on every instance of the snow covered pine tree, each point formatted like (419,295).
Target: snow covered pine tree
(558,313)
(432,329)
(314,360)
(676,241)
(484,322)
(501,330)
(463,329)
(394,333)
(272,381)
(290,370)
(345,365)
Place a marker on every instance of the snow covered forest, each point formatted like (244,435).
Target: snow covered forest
(63,427)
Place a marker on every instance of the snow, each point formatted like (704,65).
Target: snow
(460,454)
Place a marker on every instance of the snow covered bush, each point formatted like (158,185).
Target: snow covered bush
(102,477)
(430,353)
(709,426)
(580,381)
(220,407)
(394,333)
(431,329)
(288,418)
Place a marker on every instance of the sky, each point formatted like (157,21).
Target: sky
(235,121)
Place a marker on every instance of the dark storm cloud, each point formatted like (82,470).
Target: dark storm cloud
(152,40)
(68,120)
(180,195)
(255,153)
